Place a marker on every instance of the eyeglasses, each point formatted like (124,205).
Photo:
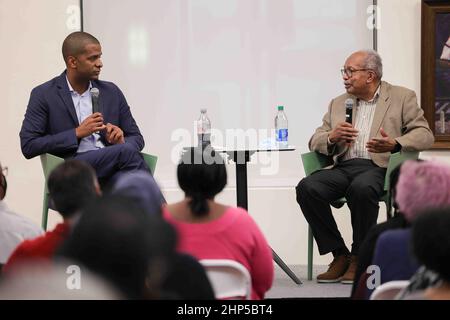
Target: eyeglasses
(349,72)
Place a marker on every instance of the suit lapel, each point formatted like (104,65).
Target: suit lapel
(64,93)
(383,104)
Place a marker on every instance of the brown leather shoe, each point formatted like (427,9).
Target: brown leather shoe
(335,271)
(349,275)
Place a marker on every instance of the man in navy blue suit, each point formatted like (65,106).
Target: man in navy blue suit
(60,119)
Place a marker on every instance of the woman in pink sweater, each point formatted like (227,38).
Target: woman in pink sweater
(210,230)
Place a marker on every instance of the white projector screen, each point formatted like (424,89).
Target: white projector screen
(237,58)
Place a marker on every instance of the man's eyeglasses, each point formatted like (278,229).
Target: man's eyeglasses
(349,72)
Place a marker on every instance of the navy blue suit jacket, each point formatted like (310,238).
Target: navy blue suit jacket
(50,120)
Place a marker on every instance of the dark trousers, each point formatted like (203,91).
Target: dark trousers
(361,182)
(112,161)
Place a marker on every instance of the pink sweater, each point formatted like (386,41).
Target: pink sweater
(233,236)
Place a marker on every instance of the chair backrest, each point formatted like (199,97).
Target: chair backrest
(388,290)
(229,278)
(395,160)
(49,162)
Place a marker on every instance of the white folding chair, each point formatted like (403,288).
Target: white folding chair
(229,278)
(388,290)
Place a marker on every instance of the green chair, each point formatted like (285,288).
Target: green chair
(50,162)
(313,161)
(151,161)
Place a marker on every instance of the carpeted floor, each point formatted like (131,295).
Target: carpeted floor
(284,287)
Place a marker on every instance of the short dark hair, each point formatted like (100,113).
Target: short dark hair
(74,44)
(431,240)
(116,239)
(71,186)
(201,175)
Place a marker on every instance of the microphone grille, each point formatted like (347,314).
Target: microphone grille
(349,103)
(95,92)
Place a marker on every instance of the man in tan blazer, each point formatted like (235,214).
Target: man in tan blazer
(386,119)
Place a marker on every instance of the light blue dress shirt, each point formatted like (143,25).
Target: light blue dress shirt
(83,108)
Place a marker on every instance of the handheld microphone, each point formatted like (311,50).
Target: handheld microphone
(95,93)
(349,110)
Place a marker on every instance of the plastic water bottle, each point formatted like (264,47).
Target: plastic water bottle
(203,129)
(281,128)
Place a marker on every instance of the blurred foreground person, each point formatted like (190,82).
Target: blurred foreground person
(14,228)
(120,242)
(211,230)
(71,185)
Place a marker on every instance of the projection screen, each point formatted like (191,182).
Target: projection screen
(239,59)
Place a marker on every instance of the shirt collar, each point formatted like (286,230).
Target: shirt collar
(375,96)
(73,91)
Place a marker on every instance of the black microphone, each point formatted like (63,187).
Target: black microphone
(348,110)
(95,93)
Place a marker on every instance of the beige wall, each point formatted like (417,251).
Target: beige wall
(31,37)
(31,33)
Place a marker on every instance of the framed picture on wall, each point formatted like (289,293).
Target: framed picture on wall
(435,69)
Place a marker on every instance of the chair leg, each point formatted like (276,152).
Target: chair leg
(45,212)
(310,253)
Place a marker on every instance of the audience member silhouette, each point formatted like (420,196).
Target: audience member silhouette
(186,278)
(211,230)
(421,186)
(14,228)
(117,240)
(72,185)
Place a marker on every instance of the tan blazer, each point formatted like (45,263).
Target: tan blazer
(397,112)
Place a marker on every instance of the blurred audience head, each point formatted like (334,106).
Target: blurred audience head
(116,239)
(58,281)
(72,185)
(141,187)
(3,182)
(201,175)
(422,185)
(431,241)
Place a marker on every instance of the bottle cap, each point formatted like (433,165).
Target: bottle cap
(280,108)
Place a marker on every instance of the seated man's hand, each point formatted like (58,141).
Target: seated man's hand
(91,124)
(344,131)
(383,144)
(114,134)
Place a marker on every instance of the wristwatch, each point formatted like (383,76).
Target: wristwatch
(397,148)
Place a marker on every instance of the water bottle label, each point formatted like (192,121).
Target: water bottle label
(282,135)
